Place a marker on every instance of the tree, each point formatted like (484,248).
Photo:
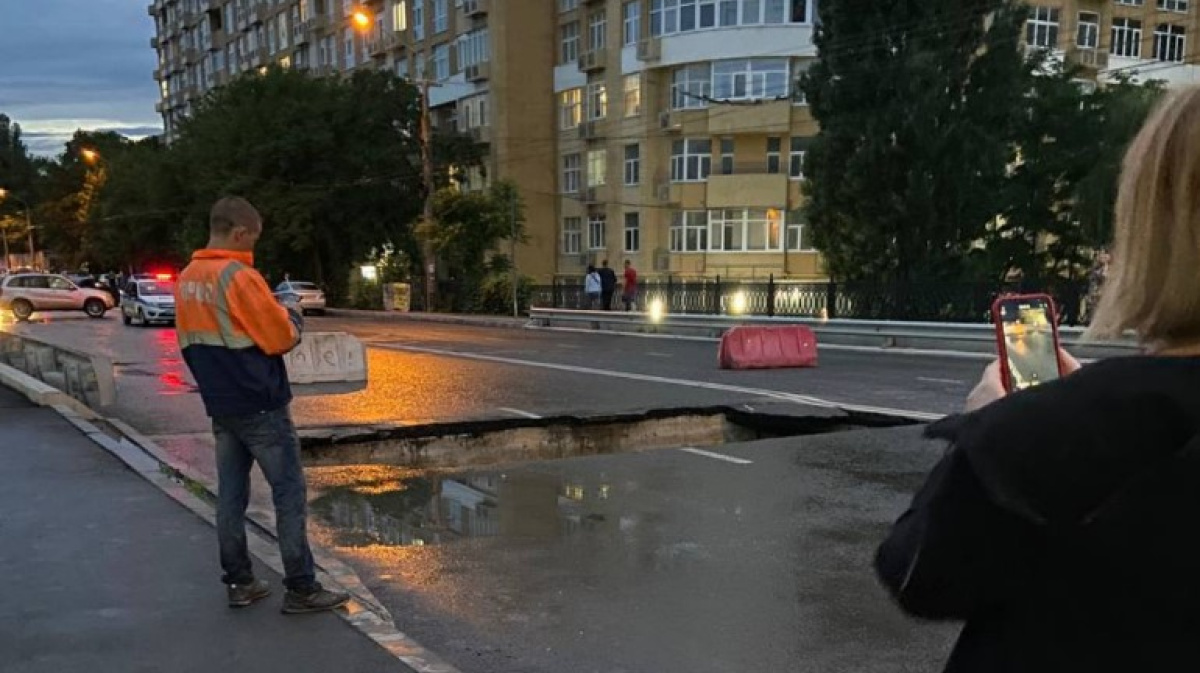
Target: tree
(332,164)
(907,169)
(470,227)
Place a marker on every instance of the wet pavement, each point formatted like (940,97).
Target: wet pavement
(661,562)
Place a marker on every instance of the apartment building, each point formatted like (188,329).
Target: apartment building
(1145,39)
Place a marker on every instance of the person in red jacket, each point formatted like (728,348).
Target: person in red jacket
(630,289)
(233,334)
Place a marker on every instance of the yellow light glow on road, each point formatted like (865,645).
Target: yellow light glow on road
(657,310)
(737,303)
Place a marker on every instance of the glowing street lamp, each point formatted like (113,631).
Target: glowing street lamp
(89,155)
(361,19)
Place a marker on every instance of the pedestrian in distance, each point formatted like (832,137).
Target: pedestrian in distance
(608,285)
(233,334)
(1060,524)
(592,287)
(629,288)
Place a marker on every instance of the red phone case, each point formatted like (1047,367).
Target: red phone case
(1002,345)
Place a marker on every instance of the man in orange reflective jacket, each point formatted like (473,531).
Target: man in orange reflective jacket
(233,334)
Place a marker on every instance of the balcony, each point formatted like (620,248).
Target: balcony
(649,50)
(589,195)
(764,118)
(1087,57)
(750,185)
(475,7)
(593,60)
(316,26)
(589,130)
(479,72)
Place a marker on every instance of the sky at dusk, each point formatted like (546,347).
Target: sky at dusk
(70,64)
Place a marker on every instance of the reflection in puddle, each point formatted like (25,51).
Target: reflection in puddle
(381,505)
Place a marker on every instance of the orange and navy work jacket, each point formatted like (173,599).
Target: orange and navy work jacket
(233,334)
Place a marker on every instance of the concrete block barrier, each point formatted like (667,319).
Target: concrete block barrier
(327,357)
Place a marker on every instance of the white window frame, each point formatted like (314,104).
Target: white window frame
(668,17)
(1170,43)
(572,173)
(633,164)
(1041,28)
(1126,37)
(774,155)
(632,94)
(1179,6)
(598,30)
(727,147)
(691,86)
(441,16)
(597,231)
(597,168)
(597,100)
(567,5)
(418,17)
(689,231)
(569,43)
(441,62)
(691,159)
(570,108)
(572,235)
(400,16)
(797,152)
(632,225)
(798,233)
(473,48)
(750,79)
(734,230)
(1087,32)
(631,22)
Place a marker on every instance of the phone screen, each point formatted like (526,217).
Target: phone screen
(1029,341)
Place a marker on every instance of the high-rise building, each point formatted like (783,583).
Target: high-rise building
(671,133)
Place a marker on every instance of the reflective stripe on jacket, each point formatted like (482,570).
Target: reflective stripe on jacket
(233,334)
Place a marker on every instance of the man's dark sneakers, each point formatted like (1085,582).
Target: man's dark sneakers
(241,595)
(319,600)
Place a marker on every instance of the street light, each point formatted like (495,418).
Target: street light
(5,194)
(361,19)
(89,155)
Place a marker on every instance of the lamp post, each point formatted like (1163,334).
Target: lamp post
(5,194)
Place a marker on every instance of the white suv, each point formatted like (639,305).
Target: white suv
(25,293)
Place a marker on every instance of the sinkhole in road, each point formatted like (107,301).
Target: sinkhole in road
(496,441)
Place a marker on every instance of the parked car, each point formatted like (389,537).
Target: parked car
(148,300)
(312,298)
(26,293)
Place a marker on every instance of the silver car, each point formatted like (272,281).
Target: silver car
(312,299)
(26,293)
(145,301)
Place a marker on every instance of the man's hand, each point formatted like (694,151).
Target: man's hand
(991,385)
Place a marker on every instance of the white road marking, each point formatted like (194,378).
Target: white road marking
(519,412)
(774,394)
(927,379)
(654,354)
(718,456)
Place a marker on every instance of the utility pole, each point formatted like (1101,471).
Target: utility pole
(425,229)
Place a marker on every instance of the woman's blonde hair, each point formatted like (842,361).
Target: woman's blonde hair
(1153,286)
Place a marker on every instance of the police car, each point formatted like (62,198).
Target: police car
(148,299)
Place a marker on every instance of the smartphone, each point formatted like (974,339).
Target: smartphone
(1027,339)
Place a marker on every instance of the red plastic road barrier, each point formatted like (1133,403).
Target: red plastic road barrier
(755,347)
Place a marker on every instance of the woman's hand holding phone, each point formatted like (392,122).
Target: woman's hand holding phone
(991,385)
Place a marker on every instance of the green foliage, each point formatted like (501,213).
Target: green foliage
(470,228)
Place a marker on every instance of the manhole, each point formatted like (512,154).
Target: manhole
(491,442)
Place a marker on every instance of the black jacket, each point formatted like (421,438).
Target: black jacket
(1063,526)
(608,279)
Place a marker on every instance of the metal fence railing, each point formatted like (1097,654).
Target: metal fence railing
(931,302)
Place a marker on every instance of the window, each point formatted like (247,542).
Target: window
(691,160)
(596,232)
(681,16)
(750,79)
(691,86)
(727,156)
(633,232)
(572,236)
(1088,36)
(796,155)
(689,231)
(570,108)
(799,235)
(571,173)
(472,48)
(1131,3)
(402,67)
(1173,5)
(774,146)
(1041,30)
(597,168)
(418,29)
(567,5)
(474,112)
(1169,43)
(631,31)
(348,39)
(597,101)
(744,230)
(799,69)
(1126,37)
(570,42)
(633,95)
(440,14)
(400,16)
(633,164)
(441,62)
(597,30)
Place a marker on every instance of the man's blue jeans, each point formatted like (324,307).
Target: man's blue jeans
(270,439)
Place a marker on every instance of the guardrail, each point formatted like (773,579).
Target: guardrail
(958,337)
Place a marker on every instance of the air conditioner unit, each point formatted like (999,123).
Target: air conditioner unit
(587,130)
(591,60)
(662,192)
(471,73)
(662,260)
(649,50)
(666,123)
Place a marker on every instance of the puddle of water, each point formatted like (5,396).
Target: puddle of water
(360,506)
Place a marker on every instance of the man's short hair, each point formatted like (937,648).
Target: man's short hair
(231,212)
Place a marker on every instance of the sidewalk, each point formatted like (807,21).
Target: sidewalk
(104,572)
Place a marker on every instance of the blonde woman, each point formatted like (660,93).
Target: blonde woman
(1063,524)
